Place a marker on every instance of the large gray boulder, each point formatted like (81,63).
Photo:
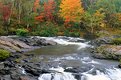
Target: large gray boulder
(107,52)
(104,40)
(12,45)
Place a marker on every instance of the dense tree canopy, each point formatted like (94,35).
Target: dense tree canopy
(38,16)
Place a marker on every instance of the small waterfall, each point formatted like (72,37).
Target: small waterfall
(109,74)
(114,74)
(69,41)
(58,75)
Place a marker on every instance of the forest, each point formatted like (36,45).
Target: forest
(59,17)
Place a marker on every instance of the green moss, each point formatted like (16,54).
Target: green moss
(116,41)
(4,54)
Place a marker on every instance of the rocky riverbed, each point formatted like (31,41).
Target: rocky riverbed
(11,68)
(23,66)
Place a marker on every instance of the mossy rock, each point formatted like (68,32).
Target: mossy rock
(4,54)
(116,41)
(112,52)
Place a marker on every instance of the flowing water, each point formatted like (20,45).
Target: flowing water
(73,53)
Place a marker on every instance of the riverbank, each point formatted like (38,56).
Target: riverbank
(19,65)
(11,68)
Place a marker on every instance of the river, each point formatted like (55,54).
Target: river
(73,61)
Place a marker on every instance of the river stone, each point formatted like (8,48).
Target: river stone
(34,70)
(107,52)
(4,71)
(100,41)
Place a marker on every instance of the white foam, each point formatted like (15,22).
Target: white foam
(87,60)
(114,74)
(110,74)
(45,77)
(66,41)
(59,75)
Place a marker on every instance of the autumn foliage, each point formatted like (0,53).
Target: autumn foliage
(48,11)
(49,8)
(119,16)
(5,10)
(71,10)
(36,5)
(99,18)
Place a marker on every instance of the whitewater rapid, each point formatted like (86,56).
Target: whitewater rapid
(110,72)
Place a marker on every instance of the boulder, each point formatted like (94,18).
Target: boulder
(104,40)
(48,42)
(12,45)
(100,41)
(107,52)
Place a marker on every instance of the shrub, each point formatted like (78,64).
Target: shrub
(48,32)
(22,32)
(72,33)
(4,54)
(2,31)
(47,29)
(12,31)
(116,41)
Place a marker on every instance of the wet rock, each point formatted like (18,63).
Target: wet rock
(107,52)
(119,65)
(72,70)
(5,77)
(34,70)
(9,64)
(4,71)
